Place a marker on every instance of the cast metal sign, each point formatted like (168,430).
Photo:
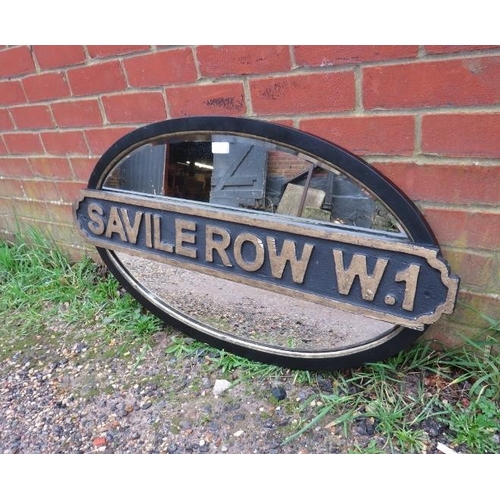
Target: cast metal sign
(395,276)
(396,281)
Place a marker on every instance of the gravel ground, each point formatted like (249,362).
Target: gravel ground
(73,391)
(63,397)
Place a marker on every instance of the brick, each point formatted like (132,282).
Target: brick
(60,142)
(99,441)
(242,59)
(81,113)
(65,235)
(60,213)
(447,334)
(161,68)
(30,209)
(45,86)
(285,123)
(23,143)
(5,121)
(97,78)
(282,164)
(5,200)
(100,139)
(16,61)
(312,93)
(11,188)
(449,226)
(11,93)
(465,82)
(14,167)
(225,99)
(445,183)
(3,147)
(5,220)
(70,191)
(447,49)
(466,135)
(83,167)
(472,308)
(460,229)
(58,56)
(41,190)
(331,55)
(32,117)
(96,51)
(135,108)
(48,167)
(8,224)
(477,269)
(366,135)
(78,248)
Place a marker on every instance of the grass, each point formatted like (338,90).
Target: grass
(405,404)
(40,286)
(223,361)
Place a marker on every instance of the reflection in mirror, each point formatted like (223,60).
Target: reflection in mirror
(246,173)
(251,314)
(242,172)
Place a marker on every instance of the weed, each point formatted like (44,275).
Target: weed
(222,360)
(302,377)
(474,424)
(181,347)
(411,440)
(373,447)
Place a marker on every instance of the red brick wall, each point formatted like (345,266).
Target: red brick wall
(427,116)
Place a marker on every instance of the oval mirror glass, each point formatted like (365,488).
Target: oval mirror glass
(219,269)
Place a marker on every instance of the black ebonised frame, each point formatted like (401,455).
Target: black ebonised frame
(404,210)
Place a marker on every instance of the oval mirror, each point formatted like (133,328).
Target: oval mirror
(265,241)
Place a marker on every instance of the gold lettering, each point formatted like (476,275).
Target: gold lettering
(95,211)
(181,237)
(158,243)
(289,254)
(132,230)
(410,277)
(345,277)
(259,251)
(149,232)
(115,225)
(220,246)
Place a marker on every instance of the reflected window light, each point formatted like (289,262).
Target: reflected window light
(221,148)
(202,165)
